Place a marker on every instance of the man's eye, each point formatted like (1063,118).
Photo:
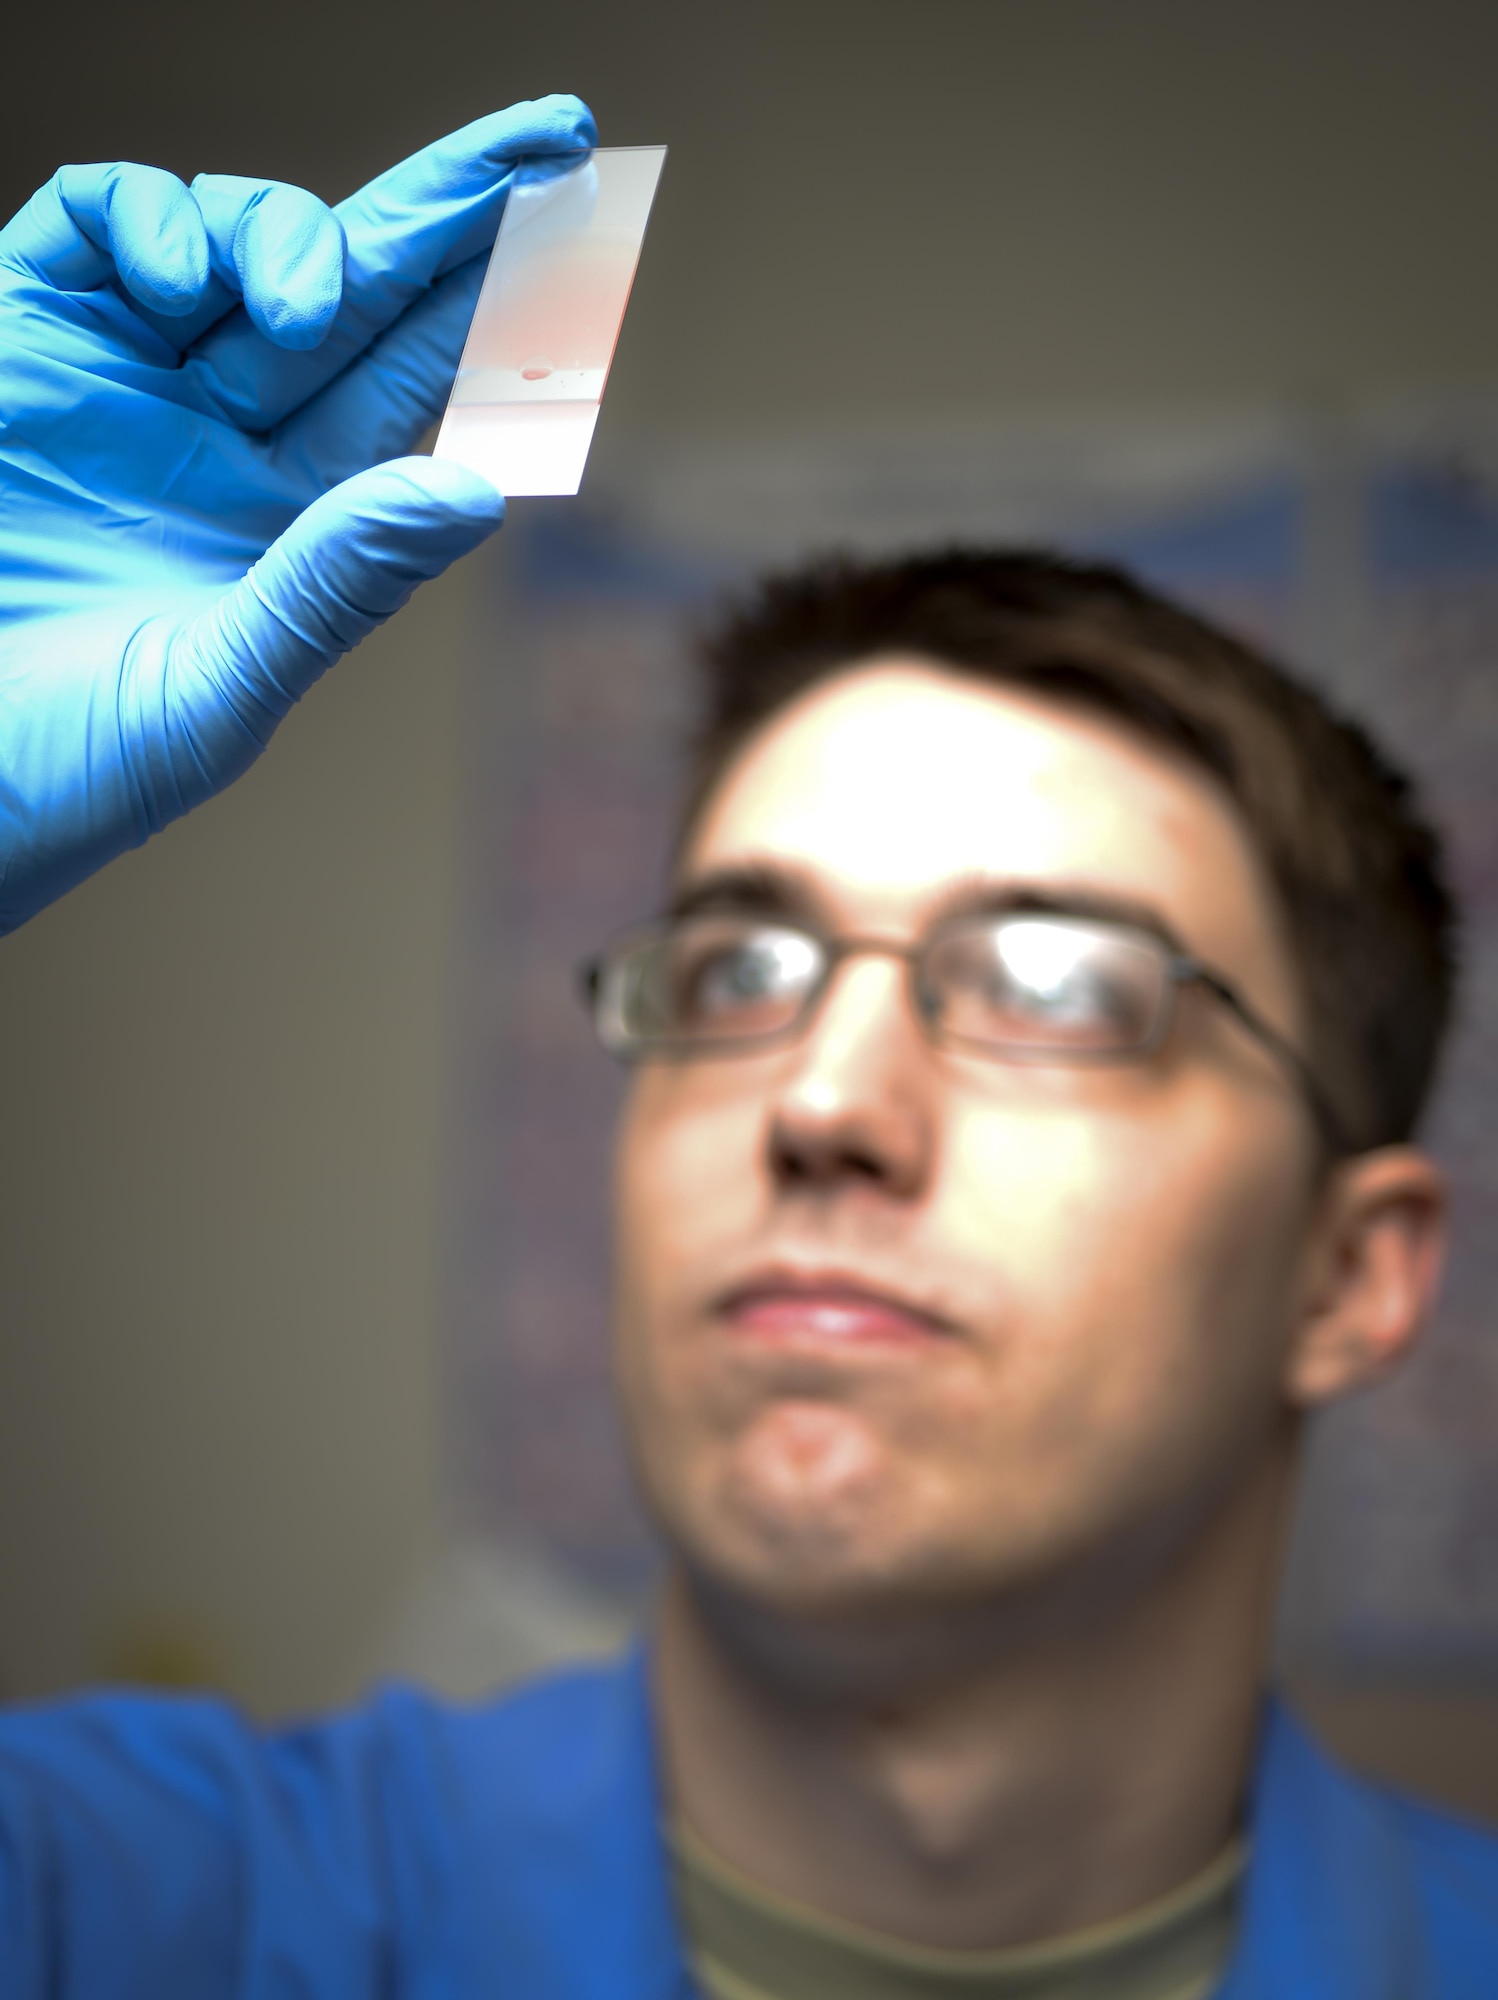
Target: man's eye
(729,978)
(1085,998)
(752,984)
(1077,998)
(1051,984)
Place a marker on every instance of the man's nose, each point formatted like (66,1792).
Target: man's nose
(857,1106)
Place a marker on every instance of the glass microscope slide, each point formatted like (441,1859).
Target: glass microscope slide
(526,398)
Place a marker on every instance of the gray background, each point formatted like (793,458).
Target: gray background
(231,1068)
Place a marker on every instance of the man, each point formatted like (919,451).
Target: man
(1019,1147)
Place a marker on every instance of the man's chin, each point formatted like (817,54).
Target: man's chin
(807,1514)
(807,1461)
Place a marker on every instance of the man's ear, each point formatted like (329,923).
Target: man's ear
(1374,1258)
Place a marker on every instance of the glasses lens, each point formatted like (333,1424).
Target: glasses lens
(1046,986)
(705,981)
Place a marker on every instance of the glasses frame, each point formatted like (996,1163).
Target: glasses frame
(1181,970)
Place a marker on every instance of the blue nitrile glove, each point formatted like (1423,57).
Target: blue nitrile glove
(186,376)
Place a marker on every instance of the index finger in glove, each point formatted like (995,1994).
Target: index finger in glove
(93,225)
(404,230)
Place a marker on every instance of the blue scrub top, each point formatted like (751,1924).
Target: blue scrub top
(162,1849)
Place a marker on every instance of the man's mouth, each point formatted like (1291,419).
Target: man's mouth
(827,1309)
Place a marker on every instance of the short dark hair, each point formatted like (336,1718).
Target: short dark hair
(1358,869)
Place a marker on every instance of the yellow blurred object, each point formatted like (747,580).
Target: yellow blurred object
(165,1651)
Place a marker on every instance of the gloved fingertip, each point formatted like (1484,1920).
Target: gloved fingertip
(167,301)
(158,240)
(291,255)
(456,488)
(575,122)
(559,123)
(148,224)
(297,324)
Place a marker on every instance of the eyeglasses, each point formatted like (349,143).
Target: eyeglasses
(1015,985)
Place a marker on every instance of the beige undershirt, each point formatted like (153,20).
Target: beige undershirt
(746,1943)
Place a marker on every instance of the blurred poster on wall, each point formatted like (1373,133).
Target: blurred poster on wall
(1367,554)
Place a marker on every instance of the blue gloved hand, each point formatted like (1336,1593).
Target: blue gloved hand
(192,385)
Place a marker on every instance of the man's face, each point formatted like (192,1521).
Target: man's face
(901,1323)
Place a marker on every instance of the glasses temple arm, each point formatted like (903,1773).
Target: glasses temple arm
(1333,1129)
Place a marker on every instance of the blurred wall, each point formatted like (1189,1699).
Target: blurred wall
(226,1061)
(220,1169)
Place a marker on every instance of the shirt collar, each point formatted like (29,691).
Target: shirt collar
(1329,1905)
